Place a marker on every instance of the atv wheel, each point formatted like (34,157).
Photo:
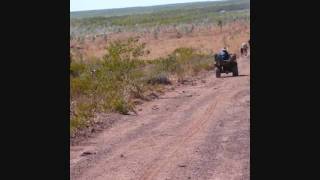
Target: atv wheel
(218,73)
(235,71)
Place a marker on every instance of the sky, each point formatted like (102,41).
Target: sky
(79,5)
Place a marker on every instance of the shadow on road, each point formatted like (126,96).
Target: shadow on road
(234,76)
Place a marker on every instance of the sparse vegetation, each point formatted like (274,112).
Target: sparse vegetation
(197,14)
(108,74)
(219,5)
(123,58)
(110,84)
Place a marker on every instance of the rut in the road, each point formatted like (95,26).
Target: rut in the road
(155,167)
(202,136)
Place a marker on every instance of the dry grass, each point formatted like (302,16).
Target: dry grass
(119,78)
(112,83)
(205,39)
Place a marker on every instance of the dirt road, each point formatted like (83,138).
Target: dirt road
(192,132)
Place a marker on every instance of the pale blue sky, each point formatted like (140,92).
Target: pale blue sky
(78,5)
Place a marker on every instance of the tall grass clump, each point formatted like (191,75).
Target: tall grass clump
(183,62)
(107,85)
(112,83)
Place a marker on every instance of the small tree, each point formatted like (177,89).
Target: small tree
(220,25)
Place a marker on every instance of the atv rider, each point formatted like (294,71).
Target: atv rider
(224,54)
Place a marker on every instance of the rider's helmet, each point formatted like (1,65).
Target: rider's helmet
(224,49)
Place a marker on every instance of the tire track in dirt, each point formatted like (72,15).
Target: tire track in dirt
(150,145)
(152,171)
(122,143)
(220,128)
(209,114)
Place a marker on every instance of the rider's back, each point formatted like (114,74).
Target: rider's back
(224,55)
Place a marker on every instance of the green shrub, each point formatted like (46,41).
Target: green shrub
(111,84)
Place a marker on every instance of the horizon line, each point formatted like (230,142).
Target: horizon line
(145,6)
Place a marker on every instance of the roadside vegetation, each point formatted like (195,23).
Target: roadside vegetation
(120,56)
(112,83)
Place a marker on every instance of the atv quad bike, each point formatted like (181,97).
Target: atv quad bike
(226,66)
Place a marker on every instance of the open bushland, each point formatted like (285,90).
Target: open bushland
(198,14)
(117,59)
(204,26)
(207,39)
(198,130)
(109,75)
(114,82)
(145,103)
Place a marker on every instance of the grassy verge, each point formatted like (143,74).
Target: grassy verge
(112,83)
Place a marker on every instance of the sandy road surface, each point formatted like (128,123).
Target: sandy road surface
(193,132)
